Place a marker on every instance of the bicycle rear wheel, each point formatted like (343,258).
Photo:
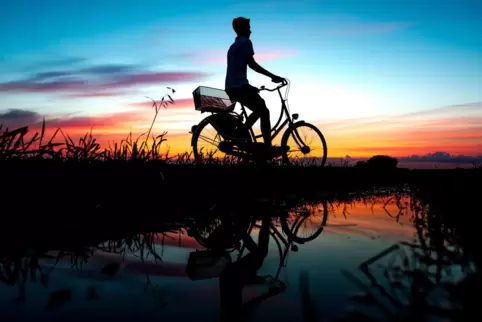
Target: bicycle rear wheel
(306,143)
(207,138)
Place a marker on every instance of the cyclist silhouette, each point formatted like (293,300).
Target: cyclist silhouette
(240,56)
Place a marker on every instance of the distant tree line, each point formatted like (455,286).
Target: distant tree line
(378,162)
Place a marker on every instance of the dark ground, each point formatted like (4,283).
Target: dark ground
(74,206)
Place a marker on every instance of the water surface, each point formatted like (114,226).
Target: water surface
(149,288)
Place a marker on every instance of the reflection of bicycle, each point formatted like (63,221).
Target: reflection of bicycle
(219,130)
(300,225)
(292,227)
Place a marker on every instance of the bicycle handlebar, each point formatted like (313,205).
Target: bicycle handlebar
(283,84)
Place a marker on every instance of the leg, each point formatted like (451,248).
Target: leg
(262,112)
(249,97)
(258,106)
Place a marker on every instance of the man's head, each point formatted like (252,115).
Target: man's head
(241,26)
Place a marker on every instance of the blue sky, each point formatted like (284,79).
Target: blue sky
(346,59)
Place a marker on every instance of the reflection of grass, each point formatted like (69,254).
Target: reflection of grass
(22,265)
(440,275)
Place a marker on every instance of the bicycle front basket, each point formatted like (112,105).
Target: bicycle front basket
(208,99)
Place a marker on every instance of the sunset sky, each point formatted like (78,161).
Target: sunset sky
(378,77)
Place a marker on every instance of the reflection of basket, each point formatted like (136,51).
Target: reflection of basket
(206,264)
(207,99)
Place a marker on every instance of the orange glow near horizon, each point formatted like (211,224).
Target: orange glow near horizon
(399,136)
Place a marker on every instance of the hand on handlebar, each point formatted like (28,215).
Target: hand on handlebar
(277,79)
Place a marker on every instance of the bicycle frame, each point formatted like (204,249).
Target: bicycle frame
(278,238)
(276,129)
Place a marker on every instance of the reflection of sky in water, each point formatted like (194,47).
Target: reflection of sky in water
(345,243)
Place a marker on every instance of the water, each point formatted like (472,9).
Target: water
(147,288)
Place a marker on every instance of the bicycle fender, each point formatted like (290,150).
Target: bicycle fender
(295,124)
(286,133)
(200,124)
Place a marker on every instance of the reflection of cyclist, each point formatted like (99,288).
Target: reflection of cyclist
(240,56)
(242,272)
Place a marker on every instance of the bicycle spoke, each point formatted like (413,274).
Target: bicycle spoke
(208,140)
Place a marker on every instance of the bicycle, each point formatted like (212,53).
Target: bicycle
(242,144)
(241,228)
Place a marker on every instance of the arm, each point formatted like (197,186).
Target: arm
(257,68)
(249,52)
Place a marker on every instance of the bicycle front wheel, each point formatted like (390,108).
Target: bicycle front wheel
(305,223)
(307,145)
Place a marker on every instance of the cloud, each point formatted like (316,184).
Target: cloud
(41,87)
(444,157)
(81,80)
(49,75)
(86,71)
(86,85)
(18,118)
(109,121)
(15,118)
